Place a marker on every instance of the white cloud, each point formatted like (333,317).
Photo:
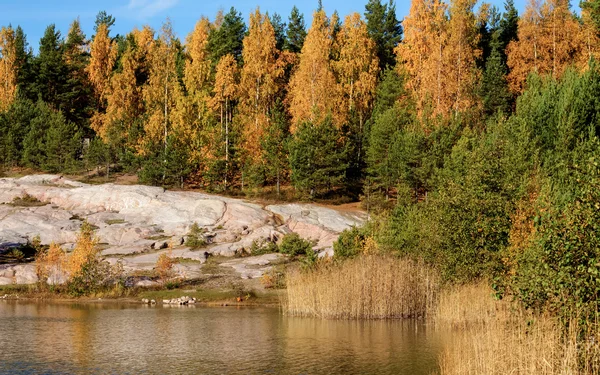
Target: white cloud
(149,8)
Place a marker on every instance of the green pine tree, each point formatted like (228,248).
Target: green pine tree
(76,96)
(318,158)
(49,69)
(385,29)
(104,18)
(25,78)
(296,32)
(228,38)
(279,27)
(275,147)
(494,86)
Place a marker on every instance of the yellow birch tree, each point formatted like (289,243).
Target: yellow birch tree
(421,55)
(225,93)
(163,89)
(259,83)
(461,55)
(357,68)
(312,91)
(8,68)
(103,55)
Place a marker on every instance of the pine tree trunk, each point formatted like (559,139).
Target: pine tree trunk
(278,190)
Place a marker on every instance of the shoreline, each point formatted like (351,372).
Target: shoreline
(205,298)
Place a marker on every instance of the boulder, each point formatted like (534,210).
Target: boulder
(146,284)
(25,274)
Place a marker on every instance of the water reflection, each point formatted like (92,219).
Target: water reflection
(51,338)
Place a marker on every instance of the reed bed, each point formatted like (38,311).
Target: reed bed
(504,339)
(367,287)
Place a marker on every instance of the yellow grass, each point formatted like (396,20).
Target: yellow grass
(368,287)
(484,336)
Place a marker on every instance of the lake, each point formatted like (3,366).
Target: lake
(112,338)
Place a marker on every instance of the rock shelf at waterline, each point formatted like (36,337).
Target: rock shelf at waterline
(135,224)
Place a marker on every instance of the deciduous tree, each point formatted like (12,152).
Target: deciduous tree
(421,55)
(258,87)
(312,89)
(8,68)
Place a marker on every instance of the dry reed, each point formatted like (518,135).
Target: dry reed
(368,287)
(496,337)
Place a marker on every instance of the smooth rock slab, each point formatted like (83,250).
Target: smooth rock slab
(25,274)
(131,219)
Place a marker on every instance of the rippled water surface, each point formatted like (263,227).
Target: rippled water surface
(58,338)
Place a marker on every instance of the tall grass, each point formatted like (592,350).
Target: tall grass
(484,336)
(367,287)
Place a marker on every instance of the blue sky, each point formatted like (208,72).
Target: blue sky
(35,15)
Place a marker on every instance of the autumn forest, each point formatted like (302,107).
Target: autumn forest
(235,104)
(469,131)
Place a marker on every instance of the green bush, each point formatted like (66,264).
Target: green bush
(292,244)
(349,243)
(195,240)
(260,247)
(560,270)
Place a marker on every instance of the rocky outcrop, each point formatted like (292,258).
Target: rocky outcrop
(135,222)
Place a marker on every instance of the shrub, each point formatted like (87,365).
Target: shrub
(17,255)
(560,269)
(349,243)
(292,244)
(310,260)
(273,279)
(164,267)
(194,237)
(88,273)
(27,200)
(50,264)
(263,246)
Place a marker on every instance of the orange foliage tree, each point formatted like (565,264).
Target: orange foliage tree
(461,54)
(357,68)
(103,55)
(259,83)
(312,91)
(124,99)
(8,68)
(550,39)
(162,91)
(421,55)
(225,94)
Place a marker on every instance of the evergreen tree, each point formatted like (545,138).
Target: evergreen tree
(385,29)
(75,99)
(62,144)
(50,70)
(227,38)
(495,93)
(25,77)
(296,32)
(509,25)
(14,125)
(488,25)
(52,143)
(391,151)
(275,146)
(317,158)
(103,18)
(280,29)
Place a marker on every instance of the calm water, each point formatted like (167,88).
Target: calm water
(54,338)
